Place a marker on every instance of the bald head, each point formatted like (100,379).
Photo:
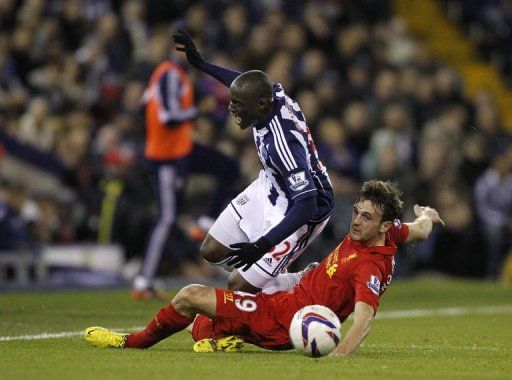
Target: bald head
(254,82)
(251,98)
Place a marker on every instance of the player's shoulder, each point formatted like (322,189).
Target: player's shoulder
(281,127)
(278,90)
(398,232)
(397,223)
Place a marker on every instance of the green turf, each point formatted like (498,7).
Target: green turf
(472,346)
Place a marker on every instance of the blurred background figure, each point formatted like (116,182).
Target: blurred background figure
(18,218)
(171,150)
(493,198)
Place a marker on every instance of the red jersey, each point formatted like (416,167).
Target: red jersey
(351,273)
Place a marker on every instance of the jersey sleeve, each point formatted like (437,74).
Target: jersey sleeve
(222,74)
(289,155)
(398,232)
(368,278)
(170,93)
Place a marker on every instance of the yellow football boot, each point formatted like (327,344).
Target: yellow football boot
(227,344)
(104,338)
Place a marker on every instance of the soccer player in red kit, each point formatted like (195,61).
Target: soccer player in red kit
(351,279)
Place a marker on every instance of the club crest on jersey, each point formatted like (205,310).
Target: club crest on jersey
(298,181)
(374,284)
(242,199)
(397,223)
(228,296)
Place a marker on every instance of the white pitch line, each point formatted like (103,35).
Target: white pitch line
(65,334)
(431,347)
(398,314)
(40,336)
(445,312)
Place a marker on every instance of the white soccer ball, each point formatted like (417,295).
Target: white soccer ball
(315,331)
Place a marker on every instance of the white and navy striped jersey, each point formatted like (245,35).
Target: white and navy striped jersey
(289,158)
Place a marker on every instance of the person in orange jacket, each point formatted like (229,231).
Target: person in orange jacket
(170,112)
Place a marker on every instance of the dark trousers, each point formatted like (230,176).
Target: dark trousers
(170,184)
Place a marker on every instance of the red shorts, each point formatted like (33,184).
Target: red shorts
(261,319)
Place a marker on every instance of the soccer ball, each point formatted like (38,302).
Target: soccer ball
(315,331)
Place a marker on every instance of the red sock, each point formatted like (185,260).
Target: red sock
(165,323)
(203,328)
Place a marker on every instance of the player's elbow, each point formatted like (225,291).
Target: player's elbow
(422,234)
(420,231)
(309,207)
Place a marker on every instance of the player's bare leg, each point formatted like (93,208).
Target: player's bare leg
(212,251)
(191,300)
(215,253)
(237,282)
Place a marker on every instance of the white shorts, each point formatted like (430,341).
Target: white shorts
(251,215)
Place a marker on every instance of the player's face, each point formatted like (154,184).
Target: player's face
(243,107)
(366,226)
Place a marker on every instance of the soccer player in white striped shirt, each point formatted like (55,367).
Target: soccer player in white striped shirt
(269,224)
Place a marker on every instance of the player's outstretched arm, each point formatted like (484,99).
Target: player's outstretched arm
(422,226)
(194,57)
(363,315)
(185,44)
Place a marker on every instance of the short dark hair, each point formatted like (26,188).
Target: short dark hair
(385,194)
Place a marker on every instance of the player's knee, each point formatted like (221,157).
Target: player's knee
(233,283)
(237,282)
(212,251)
(188,297)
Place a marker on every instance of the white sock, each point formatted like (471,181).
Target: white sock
(283,282)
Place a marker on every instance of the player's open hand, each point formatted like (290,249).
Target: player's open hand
(246,254)
(430,212)
(194,57)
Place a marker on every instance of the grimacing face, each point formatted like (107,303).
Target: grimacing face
(366,226)
(244,107)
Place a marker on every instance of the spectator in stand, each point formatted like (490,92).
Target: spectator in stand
(16,213)
(493,197)
(335,151)
(395,137)
(35,126)
(458,250)
(355,118)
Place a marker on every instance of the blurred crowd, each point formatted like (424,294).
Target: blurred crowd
(72,74)
(489,24)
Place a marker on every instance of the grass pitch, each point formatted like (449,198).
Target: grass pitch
(424,329)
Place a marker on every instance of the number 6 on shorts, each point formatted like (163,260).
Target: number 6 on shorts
(245,304)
